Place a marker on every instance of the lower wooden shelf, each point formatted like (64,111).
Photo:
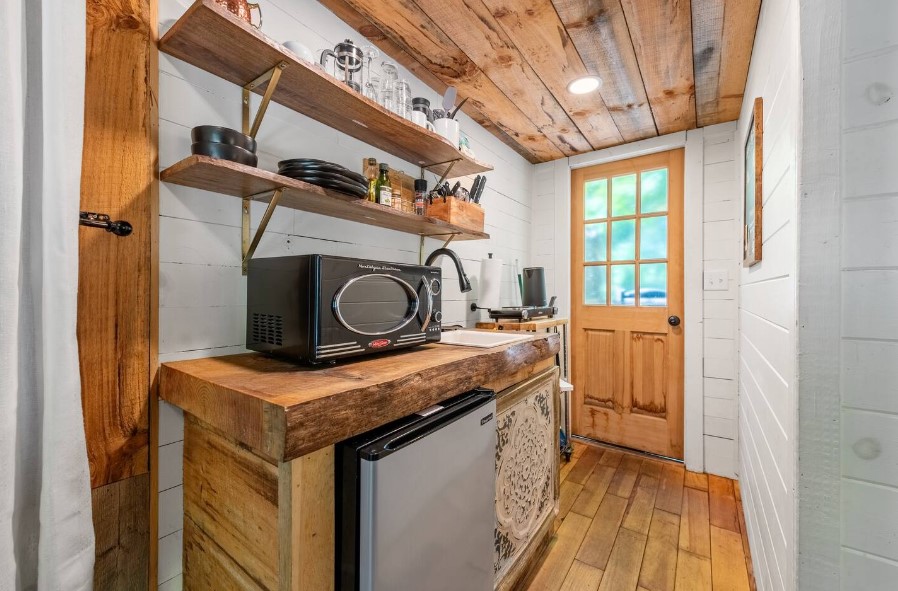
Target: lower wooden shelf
(239,180)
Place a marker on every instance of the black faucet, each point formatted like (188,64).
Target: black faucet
(463,283)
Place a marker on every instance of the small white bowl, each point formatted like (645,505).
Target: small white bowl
(300,51)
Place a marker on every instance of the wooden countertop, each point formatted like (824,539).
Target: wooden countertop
(281,410)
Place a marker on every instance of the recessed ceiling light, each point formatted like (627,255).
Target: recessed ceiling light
(584,85)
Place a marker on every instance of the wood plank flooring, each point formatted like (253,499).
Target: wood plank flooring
(633,523)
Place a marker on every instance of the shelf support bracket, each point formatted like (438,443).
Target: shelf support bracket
(446,173)
(272,76)
(249,247)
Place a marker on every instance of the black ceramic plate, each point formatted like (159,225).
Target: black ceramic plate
(303,161)
(325,176)
(334,176)
(225,152)
(354,190)
(323,169)
(222,135)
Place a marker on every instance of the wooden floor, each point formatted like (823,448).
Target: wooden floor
(629,523)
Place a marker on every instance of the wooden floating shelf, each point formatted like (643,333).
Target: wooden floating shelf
(211,38)
(240,180)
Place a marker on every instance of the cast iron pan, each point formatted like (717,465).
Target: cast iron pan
(325,174)
(349,189)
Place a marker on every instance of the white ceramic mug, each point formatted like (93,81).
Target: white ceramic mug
(420,118)
(300,50)
(448,128)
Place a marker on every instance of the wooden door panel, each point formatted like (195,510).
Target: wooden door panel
(601,386)
(648,352)
(627,360)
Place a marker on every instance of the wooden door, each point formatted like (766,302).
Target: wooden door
(627,282)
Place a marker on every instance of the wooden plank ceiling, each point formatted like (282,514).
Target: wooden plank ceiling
(667,65)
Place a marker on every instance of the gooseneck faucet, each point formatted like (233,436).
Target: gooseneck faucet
(463,283)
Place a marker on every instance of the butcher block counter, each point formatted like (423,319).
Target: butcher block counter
(259,441)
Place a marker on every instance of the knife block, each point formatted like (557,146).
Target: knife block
(468,215)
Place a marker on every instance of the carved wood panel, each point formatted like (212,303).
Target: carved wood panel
(526,468)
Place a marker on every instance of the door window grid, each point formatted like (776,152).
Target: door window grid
(648,276)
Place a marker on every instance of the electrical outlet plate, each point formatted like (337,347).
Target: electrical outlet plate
(717,280)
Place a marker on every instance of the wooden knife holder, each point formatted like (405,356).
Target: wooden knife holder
(455,211)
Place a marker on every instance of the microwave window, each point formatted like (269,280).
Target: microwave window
(375,304)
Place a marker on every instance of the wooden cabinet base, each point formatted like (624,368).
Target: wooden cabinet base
(251,525)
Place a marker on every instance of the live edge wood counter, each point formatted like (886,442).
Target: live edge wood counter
(259,439)
(281,410)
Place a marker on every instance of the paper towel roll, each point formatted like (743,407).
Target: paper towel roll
(490,284)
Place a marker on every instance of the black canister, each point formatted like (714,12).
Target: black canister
(534,287)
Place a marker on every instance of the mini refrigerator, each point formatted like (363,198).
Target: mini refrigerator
(415,502)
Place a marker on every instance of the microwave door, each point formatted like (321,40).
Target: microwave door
(376,305)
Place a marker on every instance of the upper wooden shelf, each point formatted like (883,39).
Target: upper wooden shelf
(211,38)
(239,180)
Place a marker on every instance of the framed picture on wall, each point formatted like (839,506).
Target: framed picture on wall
(753,196)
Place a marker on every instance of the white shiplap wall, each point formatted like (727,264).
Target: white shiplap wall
(767,348)
(202,293)
(716,180)
(869,295)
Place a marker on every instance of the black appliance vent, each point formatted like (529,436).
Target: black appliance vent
(268,328)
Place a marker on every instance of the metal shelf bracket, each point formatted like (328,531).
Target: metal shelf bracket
(272,76)
(248,247)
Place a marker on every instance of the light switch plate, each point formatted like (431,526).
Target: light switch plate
(717,280)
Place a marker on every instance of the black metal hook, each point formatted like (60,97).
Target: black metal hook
(101,220)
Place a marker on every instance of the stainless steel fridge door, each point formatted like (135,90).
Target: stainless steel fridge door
(427,511)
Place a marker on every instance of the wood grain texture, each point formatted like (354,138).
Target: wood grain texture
(678,549)
(458,213)
(601,36)
(211,38)
(416,33)
(515,59)
(627,361)
(599,540)
(281,410)
(722,503)
(306,522)
(694,523)
(582,577)
(117,178)
(625,561)
(122,529)
(661,31)
(585,465)
(625,477)
(670,491)
(231,178)
(560,554)
(728,562)
(757,123)
(231,495)
(593,492)
(693,573)
(536,29)
(480,36)
(659,565)
(696,480)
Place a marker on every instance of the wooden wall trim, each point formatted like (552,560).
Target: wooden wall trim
(118,284)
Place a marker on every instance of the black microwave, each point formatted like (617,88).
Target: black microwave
(316,308)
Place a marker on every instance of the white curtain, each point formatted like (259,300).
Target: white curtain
(46,533)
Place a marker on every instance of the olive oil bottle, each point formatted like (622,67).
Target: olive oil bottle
(371,174)
(383,188)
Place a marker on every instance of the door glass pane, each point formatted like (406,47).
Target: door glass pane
(653,191)
(594,286)
(623,285)
(596,199)
(623,240)
(596,243)
(653,238)
(623,195)
(653,284)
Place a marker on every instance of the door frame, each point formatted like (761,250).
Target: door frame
(693,218)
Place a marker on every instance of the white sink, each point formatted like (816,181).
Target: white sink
(477,338)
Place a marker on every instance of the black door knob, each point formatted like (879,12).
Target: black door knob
(674,320)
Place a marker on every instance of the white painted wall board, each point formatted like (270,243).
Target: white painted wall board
(867,571)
